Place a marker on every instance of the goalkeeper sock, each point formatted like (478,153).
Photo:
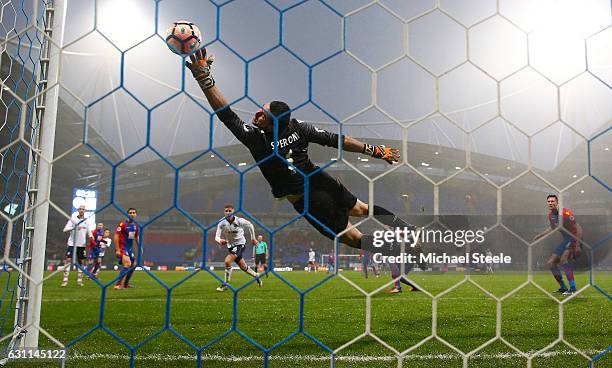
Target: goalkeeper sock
(557,274)
(228,274)
(388,218)
(250,271)
(569,273)
(366,243)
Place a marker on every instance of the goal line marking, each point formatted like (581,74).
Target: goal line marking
(312,357)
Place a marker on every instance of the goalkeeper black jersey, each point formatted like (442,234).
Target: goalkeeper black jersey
(292,144)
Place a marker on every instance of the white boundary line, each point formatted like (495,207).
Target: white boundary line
(204,300)
(313,357)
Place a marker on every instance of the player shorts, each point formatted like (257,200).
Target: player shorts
(329,202)
(236,250)
(94,253)
(127,252)
(80,252)
(260,259)
(562,247)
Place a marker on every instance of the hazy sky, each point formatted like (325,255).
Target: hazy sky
(372,68)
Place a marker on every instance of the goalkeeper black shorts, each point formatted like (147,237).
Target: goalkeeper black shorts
(329,202)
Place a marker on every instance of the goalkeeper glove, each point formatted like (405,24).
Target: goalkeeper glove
(200,68)
(391,155)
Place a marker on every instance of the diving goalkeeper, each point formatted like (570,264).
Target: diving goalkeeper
(330,202)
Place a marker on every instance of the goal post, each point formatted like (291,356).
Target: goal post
(344,261)
(31,255)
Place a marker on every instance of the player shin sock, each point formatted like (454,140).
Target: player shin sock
(80,275)
(388,218)
(228,274)
(128,276)
(250,271)
(395,273)
(96,268)
(557,274)
(66,272)
(569,273)
(122,274)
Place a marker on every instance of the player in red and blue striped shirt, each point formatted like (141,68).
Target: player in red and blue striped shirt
(93,250)
(569,248)
(126,239)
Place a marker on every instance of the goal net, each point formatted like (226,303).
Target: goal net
(494,105)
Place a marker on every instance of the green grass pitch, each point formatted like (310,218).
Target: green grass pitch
(334,313)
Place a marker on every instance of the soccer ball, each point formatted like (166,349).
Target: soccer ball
(183,37)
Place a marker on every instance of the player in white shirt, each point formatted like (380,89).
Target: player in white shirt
(312,263)
(78,227)
(489,264)
(230,233)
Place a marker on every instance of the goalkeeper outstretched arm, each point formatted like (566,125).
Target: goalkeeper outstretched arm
(200,67)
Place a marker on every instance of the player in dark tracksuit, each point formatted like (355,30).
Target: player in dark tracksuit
(329,202)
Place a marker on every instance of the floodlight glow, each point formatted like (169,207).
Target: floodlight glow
(124,22)
(569,17)
(556,44)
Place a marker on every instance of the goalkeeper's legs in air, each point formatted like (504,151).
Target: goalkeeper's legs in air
(331,205)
